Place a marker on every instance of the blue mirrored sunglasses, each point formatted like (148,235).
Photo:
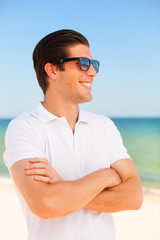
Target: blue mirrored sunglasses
(85,63)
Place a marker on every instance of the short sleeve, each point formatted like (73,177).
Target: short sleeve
(116,147)
(22,141)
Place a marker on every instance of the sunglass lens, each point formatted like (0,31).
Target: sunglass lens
(84,64)
(96,65)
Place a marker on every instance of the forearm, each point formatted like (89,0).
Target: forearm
(126,196)
(47,195)
(62,198)
(66,197)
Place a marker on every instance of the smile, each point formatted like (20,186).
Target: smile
(87,85)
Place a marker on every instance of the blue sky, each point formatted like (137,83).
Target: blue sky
(124,36)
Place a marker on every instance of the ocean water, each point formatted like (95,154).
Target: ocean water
(3,126)
(141,136)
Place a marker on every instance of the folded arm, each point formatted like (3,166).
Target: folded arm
(60,197)
(125,196)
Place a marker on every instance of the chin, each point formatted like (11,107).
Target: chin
(86,99)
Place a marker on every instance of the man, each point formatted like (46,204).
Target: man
(70,166)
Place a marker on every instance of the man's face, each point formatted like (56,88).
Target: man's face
(74,85)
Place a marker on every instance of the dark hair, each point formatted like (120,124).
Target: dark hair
(54,46)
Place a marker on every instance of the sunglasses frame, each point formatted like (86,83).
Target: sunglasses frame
(79,58)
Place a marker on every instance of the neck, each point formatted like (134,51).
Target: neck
(62,109)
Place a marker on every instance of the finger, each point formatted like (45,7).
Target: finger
(38,160)
(36,165)
(43,179)
(42,172)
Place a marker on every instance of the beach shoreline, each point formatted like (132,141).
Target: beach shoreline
(139,224)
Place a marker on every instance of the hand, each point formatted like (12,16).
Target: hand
(42,171)
(113,178)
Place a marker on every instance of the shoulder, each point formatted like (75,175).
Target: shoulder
(24,138)
(101,124)
(26,119)
(25,124)
(94,118)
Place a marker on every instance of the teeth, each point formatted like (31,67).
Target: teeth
(86,85)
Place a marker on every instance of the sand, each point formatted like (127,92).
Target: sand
(143,224)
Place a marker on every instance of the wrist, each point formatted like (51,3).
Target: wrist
(112,178)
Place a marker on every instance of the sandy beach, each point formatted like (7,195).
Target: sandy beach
(143,224)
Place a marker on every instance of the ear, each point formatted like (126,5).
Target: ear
(51,70)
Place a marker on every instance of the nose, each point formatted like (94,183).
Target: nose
(91,71)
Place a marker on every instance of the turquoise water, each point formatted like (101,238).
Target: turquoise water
(141,137)
(3,126)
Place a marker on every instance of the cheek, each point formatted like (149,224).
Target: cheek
(67,85)
(70,78)
(71,81)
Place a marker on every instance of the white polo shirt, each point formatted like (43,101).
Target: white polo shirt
(95,144)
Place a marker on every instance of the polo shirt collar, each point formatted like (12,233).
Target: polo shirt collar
(43,114)
(82,116)
(46,116)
